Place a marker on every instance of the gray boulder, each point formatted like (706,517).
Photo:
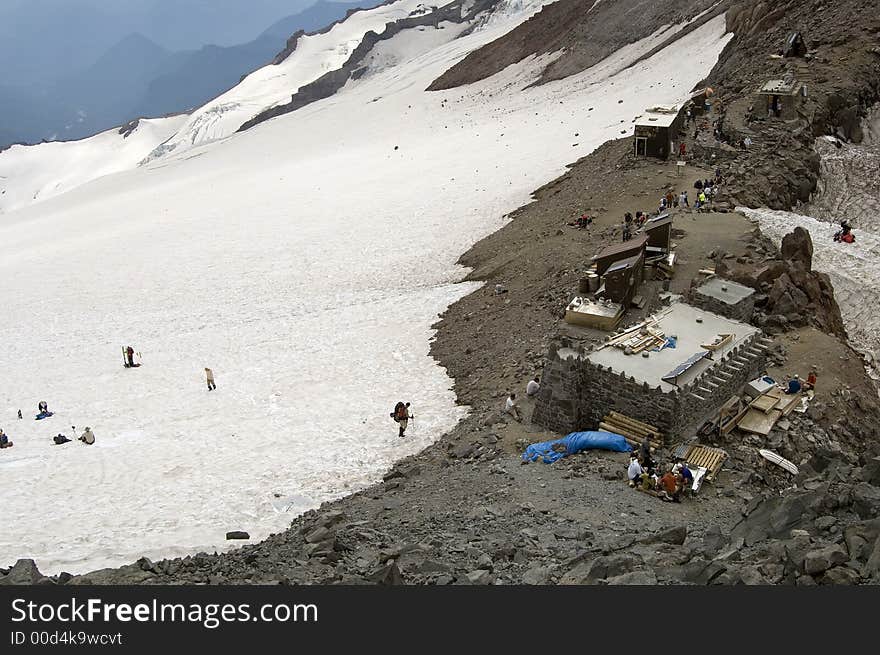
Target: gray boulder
(675,535)
(25,572)
(643,577)
(821,559)
(539,575)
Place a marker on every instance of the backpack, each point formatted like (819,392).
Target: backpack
(399,413)
(60,439)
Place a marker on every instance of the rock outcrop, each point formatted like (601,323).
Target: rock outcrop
(791,293)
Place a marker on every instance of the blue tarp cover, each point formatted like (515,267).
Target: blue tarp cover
(575,443)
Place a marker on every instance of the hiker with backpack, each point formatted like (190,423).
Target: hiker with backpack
(401,416)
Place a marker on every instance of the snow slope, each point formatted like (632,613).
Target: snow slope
(853,269)
(304,261)
(31,174)
(274,84)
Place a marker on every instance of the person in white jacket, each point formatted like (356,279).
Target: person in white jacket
(512,408)
(533,387)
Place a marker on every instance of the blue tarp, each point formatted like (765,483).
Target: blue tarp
(670,342)
(575,443)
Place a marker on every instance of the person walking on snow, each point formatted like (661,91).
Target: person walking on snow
(209,374)
(401,416)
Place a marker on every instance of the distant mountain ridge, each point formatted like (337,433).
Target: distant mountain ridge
(137,77)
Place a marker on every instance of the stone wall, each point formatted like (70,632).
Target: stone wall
(700,399)
(741,311)
(576,394)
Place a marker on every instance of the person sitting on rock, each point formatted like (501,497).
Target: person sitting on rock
(670,486)
(811,380)
(634,471)
(512,408)
(533,387)
(584,221)
(687,477)
(88,437)
(794,385)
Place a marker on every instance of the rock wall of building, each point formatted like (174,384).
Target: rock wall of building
(741,311)
(700,399)
(576,394)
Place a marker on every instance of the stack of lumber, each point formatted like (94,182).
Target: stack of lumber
(765,410)
(630,429)
(645,339)
(634,330)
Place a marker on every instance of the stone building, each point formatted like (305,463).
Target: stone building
(783,98)
(724,297)
(675,389)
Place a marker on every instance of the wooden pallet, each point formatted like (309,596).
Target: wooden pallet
(709,458)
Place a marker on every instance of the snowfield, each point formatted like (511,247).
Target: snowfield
(30,174)
(304,261)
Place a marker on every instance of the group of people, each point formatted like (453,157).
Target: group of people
(631,224)
(796,385)
(706,190)
(511,406)
(645,474)
(87,437)
(581,222)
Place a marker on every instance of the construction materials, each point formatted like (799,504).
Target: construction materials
(632,430)
(770,456)
(765,410)
(628,332)
(721,341)
(707,457)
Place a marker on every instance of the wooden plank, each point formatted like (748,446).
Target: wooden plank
(764,403)
(629,426)
(632,439)
(787,403)
(758,422)
(639,424)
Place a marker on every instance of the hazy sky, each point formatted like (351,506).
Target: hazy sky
(45,37)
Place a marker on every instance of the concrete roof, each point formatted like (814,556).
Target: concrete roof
(681,323)
(780,87)
(658,116)
(725,290)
